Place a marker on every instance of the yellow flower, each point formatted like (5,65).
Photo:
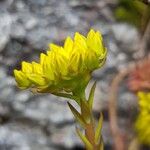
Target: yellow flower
(64,69)
(142,124)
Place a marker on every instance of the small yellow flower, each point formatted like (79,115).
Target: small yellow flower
(64,69)
(142,124)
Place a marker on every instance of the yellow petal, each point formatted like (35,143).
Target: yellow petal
(42,58)
(54,47)
(68,44)
(90,36)
(61,65)
(80,41)
(21,79)
(74,63)
(26,67)
(37,79)
(37,68)
(48,68)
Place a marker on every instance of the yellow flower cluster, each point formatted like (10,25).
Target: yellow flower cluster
(142,124)
(66,68)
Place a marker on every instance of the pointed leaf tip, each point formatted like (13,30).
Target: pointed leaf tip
(85,111)
(91,96)
(98,129)
(77,115)
(88,145)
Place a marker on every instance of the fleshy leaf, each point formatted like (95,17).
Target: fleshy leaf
(91,96)
(77,115)
(101,145)
(85,110)
(98,129)
(85,140)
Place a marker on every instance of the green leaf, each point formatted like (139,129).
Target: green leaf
(65,95)
(85,111)
(126,15)
(101,145)
(77,115)
(98,129)
(88,145)
(91,96)
(139,6)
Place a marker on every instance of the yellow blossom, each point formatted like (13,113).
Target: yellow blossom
(65,68)
(142,124)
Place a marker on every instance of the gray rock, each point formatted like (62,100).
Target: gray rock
(31,23)
(44,108)
(125,34)
(5,26)
(2,73)
(19,137)
(37,2)
(103,27)
(40,37)
(67,136)
(115,61)
(23,96)
(6,89)
(99,73)
(122,60)
(111,60)
(127,101)
(17,31)
(106,133)
(4,111)
(6,94)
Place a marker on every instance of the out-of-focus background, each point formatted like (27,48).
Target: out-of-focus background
(31,121)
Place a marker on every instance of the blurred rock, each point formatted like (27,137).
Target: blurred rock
(125,34)
(39,37)
(5,26)
(19,137)
(127,101)
(44,109)
(67,137)
(106,133)
(6,89)
(2,74)
(17,31)
(23,96)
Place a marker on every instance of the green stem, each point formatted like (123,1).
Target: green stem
(90,135)
(90,127)
(92,138)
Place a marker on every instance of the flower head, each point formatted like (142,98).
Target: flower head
(66,68)
(142,124)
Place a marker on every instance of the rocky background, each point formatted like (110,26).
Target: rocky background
(33,122)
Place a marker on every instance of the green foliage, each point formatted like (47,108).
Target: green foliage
(91,96)
(98,129)
(134,12)
(77,115)
(92,137)
(88,145)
